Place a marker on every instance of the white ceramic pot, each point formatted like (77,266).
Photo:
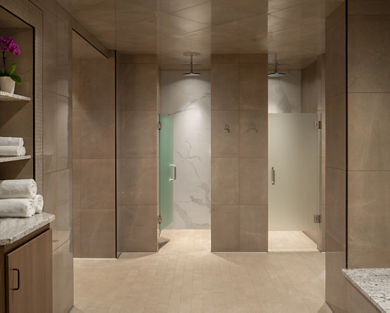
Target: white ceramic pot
(7,84)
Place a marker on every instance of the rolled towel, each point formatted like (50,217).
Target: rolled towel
(38,204)
(11,141)
(18,188)
(16,208)
(12,151)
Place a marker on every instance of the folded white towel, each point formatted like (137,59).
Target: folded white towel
(16,208)
(18,188)
(38,204)
(12,151)
(11,141)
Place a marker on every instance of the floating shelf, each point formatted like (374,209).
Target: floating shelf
(5,96)
(4,159)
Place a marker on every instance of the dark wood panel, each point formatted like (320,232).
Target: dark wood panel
(29,276)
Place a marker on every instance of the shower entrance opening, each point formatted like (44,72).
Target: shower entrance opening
(184,153)
(294,181)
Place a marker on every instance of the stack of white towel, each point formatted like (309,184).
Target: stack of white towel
(12,146)
(18,198)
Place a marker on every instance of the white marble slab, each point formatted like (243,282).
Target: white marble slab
(188,101)
(13,229)
(374,283)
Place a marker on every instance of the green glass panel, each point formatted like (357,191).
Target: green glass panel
(165,171)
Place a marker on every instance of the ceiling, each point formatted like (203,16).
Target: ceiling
(10,21)
(294,29)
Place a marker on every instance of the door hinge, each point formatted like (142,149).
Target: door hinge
(159,125)
(317,218)
(318,124)
(159,219)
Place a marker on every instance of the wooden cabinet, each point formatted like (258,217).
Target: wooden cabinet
(29,287)
(26,274)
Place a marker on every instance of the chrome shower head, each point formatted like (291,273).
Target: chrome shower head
(191,73)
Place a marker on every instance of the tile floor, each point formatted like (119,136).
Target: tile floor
(290,241)
(185,277)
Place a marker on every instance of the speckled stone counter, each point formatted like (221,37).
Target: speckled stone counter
(374,283)
(13,229)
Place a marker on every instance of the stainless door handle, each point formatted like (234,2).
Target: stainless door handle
(273,176)
(18,273)
(174,172)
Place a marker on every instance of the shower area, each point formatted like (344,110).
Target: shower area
(184,150)
(295,114)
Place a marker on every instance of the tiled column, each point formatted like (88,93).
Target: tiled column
(137,152)
(336,170)
(368,133)
(93,150)
(239,153)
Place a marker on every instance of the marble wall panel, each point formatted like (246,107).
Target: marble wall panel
(284,94)
(187,101)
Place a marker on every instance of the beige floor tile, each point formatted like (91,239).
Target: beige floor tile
(185,277)
(290,241)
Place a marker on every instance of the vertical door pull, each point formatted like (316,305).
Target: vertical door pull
(273,176)
(174,172)
(18,280)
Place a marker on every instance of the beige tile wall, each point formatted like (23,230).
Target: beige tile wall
(368,129)
(57,165)
(239,175)
(93,149)
(137,154)
(336,170)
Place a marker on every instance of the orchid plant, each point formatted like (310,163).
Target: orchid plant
(8,45)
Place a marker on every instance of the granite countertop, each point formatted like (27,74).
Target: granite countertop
(374,283)
(13,229)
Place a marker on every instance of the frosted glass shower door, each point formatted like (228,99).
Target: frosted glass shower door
(293,171)
(165,171)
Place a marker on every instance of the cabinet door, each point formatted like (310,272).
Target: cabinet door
(29,276)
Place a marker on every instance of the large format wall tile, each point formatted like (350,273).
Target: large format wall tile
(225,87)
(137,87)
(63,278)
(369,219)
(137,181)
(225,228)
(239,152)
(253,181)
(97,233)
(225,133)
(137,152)
(93,131)
(253,143)
(368,45)
(137,134)
(254,85)
(369,129)
(335,283)
(336,131)
(135,223)
(253,221)
(225,180)
(336,171)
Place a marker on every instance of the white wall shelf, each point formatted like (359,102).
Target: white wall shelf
(4,159)
(5,96)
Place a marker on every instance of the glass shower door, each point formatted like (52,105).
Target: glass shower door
(166,171)
(294,172)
